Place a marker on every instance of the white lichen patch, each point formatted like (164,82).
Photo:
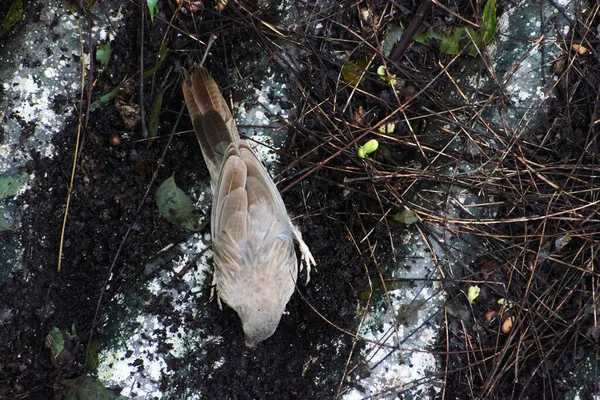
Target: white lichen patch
(41,77)
(402,330)
(262,114)
(137,365)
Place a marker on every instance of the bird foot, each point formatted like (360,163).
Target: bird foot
(213,290)
(307,257)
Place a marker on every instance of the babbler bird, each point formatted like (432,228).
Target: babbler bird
(253,237)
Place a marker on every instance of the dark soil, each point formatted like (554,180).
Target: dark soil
(114,171)
(112,176)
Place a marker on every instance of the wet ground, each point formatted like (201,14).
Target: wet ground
(114,230)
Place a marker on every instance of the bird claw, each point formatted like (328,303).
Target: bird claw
(306,256)
(213,291)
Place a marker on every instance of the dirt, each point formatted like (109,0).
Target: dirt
(112,175)
(116,166)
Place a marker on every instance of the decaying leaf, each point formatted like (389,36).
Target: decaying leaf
(10,185)
(128,107)
(220,5)
(561,242)
(579,49)
(359,116)
(14,15)
(405,217)
(175,206)
(490,315)
(353,70)
(6,222)
(87,388)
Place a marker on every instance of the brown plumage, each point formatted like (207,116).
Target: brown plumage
(253,237)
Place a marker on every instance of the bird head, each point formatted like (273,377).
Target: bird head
(258,290)
(260,320)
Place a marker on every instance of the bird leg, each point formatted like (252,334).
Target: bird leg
(213,289)
(307,257)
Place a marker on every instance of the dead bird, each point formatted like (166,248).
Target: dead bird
(253,237)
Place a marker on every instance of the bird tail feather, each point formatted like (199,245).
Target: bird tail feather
(213,122)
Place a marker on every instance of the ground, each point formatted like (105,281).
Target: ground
(114,229)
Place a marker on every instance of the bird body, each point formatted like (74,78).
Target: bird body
(253,237)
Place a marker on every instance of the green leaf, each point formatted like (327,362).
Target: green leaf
(385,76)
(6,224)
(367,148)
(387,128)
(55,341)
(14,15)
(422,38)
(352,70)
(152,7)
(87,388)
(428,37)
(406,217)
(105,99)
(487,30)
(458,37)
(393,34)
(489,25)
(175,206)
(10,185)
(162,54)
(450,44)
(154,118)
(103,52)
(92,359)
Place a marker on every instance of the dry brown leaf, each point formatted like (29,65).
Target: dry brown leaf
(581,50)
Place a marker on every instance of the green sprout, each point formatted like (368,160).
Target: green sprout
(387,128)
(385,76)
(473,293)
(367,148)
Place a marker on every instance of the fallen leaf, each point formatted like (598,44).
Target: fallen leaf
(579,49)
(175,206)
(508,324)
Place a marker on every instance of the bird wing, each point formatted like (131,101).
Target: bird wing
(213,122)
(259,184)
